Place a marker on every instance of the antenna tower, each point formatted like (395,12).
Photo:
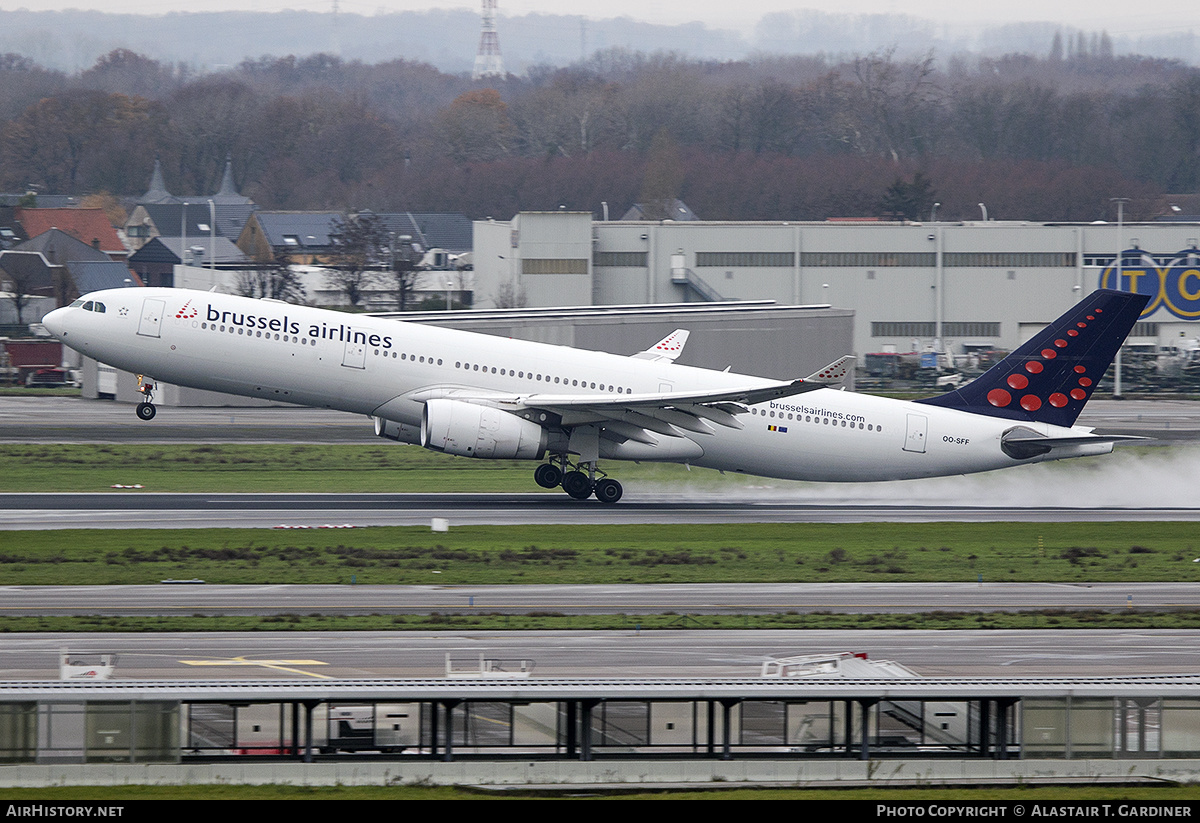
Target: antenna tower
(488,62)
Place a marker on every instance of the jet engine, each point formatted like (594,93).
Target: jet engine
(400,432)
(471,430)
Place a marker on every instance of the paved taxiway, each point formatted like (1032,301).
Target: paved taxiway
(178,511)
(684,598)
(680,653)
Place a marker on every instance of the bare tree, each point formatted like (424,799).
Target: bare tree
(277,282)
(402,269)
(359,244)
(509,295)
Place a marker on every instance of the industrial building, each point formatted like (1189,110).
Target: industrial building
(946,287)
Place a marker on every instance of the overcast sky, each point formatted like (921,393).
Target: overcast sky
(1116,16)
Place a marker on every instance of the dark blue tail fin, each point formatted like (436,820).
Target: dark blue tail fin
(1051,377)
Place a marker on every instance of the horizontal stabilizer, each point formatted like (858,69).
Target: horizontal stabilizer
(1021,443)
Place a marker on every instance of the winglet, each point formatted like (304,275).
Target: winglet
(669,348)
(835,372)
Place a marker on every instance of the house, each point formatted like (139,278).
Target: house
(452,233)
(55,264)
(89,226)
(11,230)
(155,262)
(300,236)
(159,213)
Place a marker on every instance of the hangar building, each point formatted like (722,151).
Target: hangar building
(953,287)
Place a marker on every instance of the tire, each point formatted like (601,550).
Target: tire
(608,491)
(548,476)
(146,411)
(578,485)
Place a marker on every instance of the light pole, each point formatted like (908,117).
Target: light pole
(1120,201)
(212,235)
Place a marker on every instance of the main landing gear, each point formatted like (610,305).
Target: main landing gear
(579,482)
(145,409)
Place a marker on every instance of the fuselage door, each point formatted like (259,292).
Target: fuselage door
(150,323)
(355,355)
(914,440)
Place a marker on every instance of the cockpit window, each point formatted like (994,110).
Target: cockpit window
(87,306)
(76,304)
(99,307)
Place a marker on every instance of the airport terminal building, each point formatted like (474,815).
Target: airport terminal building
(928,287)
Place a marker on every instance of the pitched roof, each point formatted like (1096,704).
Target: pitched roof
(167,250)
(60,247)
(93,275)
(678,209)
(30,268)
(449,231)
(44,201)
(297,229)
(89,226)
(168,218)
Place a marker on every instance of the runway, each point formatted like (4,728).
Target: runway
(680,598)
(681,653)
(177,511)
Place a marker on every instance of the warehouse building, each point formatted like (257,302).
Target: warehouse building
(934,287)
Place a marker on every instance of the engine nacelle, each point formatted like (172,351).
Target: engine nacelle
(400,432)
(471,430)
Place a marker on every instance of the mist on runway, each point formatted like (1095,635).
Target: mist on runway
(1131,477)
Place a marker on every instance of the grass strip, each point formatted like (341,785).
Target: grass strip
(669,553)
(252,467)
(550,621)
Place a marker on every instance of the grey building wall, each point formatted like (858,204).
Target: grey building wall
(981,283)
(764,340)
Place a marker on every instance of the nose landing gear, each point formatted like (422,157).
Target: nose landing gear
(145,409)
(580,482)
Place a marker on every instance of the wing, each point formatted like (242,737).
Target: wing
(640,417)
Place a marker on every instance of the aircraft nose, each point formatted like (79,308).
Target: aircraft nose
(55,323)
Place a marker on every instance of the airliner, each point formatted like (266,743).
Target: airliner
(486,397)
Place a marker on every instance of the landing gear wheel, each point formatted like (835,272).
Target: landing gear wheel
(577,484)
(608,491)
(146,411)
(548,476)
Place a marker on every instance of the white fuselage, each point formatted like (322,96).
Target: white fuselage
(389,369)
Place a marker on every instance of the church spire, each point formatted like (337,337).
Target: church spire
(228,195)
(227,187)
(158,189)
